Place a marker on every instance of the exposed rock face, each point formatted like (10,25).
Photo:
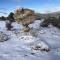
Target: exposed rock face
(24,16)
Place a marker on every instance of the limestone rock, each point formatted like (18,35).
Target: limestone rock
(24,16)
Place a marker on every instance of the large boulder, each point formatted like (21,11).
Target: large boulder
(24,16)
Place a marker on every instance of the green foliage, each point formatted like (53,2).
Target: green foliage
(10,17)
(3,18)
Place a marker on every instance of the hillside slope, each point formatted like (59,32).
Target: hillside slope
(23,46)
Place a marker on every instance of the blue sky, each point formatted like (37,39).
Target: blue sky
(41,6)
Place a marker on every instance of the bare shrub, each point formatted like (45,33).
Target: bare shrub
(51,20)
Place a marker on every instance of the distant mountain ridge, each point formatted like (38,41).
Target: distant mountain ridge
(52,14)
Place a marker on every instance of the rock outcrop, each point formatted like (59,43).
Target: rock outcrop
(24,16)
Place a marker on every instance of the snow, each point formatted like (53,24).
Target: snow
(22,45)
(36,24)
(17,26)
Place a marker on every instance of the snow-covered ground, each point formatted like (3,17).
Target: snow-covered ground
(38,44)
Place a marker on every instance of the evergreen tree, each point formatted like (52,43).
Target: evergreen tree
(10,17)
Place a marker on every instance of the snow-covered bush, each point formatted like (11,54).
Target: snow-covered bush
(51,20)
(8,25)
(40,46)
(45,23)
(34,43)
(34,32)
(3,37)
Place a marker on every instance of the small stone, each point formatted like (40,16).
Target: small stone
(32,53)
